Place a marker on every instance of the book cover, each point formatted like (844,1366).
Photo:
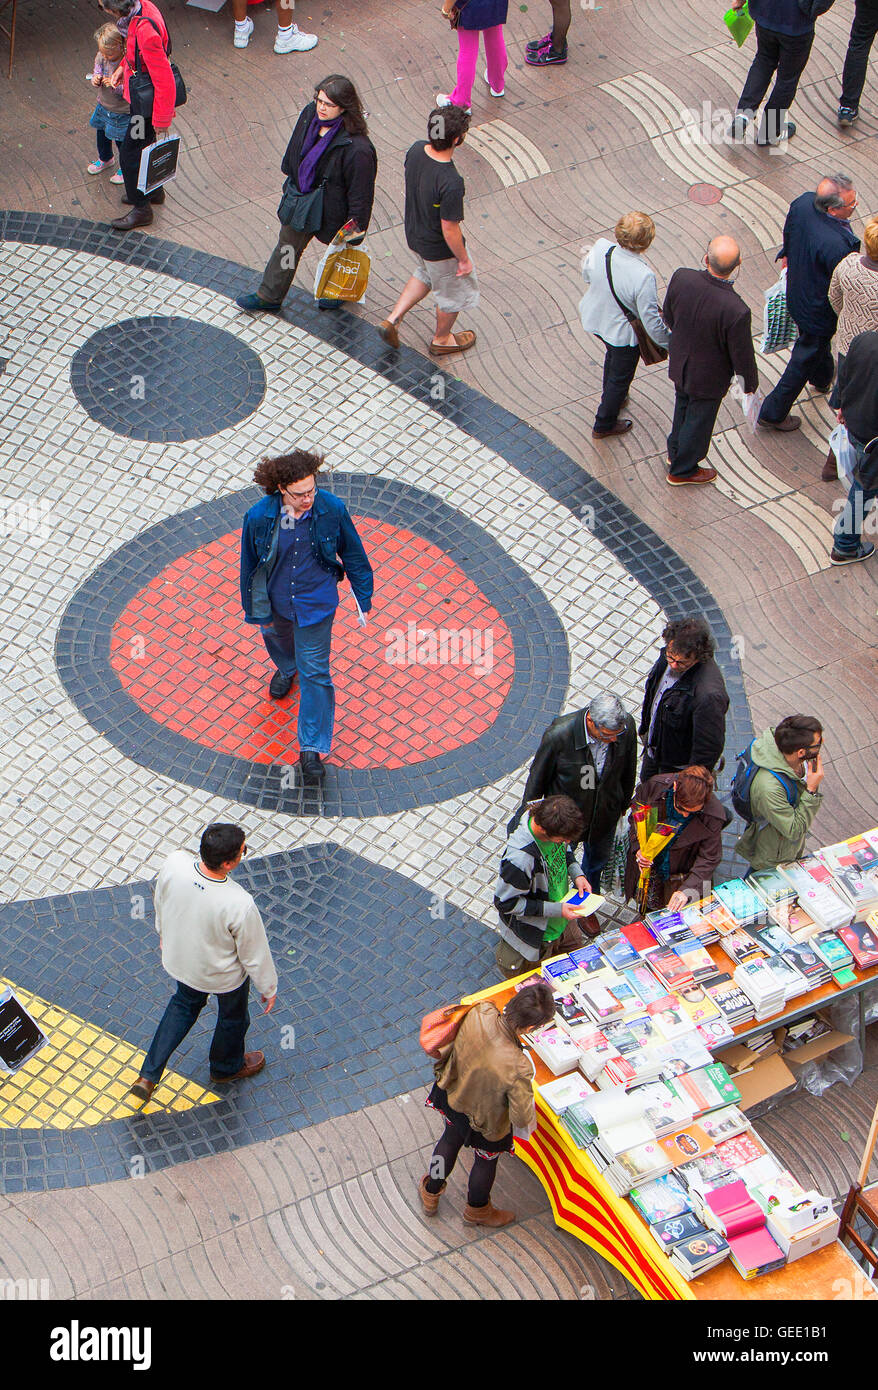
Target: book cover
(588,959)
(647,985)
(669,1018)
(830,947)
(741,1149)
(699,1253)
(687,1144)
(715,1032)
(676,1228)
(668,966)
(742,948)
(585,904)
(681,1056)
(862,944)
(560,971)
(570,1009)
(565,1091)
(744,905)
(639,938)
(660,1199)
(755,1252)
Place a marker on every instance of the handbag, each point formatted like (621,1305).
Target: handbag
(454,17)
(301,211)
(440,1027)
(650,352)
(141,91)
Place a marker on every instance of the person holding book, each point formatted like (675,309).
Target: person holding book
(687,804)
(590,756)
(683,720)
(484,1089)
(785,791)
(536,871)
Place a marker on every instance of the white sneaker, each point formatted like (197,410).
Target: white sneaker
(442,99)
(242,39)
(491,89)
(294,41)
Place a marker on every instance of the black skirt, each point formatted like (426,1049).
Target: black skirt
(472,1138)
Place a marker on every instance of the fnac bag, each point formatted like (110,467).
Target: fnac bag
(440,1027)
(343,272)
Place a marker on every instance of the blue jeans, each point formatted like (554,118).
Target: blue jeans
(849,526)
(594,861)
(227,1046)
(304,651)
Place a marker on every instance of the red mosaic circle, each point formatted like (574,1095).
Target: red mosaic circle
(428,674)
(705,193)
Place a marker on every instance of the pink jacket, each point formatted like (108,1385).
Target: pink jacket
(153,45)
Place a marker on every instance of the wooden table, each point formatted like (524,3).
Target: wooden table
(586,1206)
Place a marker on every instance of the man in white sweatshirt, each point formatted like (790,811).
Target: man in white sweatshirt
(212,941)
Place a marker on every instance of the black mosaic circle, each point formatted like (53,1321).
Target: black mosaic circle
(166,379)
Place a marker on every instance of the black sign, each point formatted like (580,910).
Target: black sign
(20,1036)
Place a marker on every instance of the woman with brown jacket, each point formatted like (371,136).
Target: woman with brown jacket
(484,1090)
(684,870)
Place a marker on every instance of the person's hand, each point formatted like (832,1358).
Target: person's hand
(465,267)
(737,4)
(116,77)
(679,899)
(642,861)
(782,262)
(814,774)
(839,415)
(569,913)
(269,1002)
(582,885)
(161,131)
(97,81)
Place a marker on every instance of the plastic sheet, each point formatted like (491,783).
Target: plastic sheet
(845,1063)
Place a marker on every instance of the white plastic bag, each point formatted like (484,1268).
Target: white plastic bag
(845,453)
(751,406)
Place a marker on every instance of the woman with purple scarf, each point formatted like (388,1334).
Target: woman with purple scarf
(330,150)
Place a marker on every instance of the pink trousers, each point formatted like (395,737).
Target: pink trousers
(468,57)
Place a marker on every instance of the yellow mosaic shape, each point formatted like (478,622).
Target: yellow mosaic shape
(82,1076)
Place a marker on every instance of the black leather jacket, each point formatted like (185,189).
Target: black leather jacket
(562,758)
(691,724)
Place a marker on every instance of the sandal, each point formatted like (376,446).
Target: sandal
(462,341)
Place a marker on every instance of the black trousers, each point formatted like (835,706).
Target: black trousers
(863,31)
(129,159)
(781,54)
(482,1173)
(810,364)
(691,429)
(620,364)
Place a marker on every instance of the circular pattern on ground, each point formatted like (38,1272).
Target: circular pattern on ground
(428,673)
(127,377)
(411,750)
(705,193)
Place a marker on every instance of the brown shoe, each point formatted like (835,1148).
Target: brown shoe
(253,1062)
(487,1216)
(429,1200)
(792,422)
(389,332)
(830,469)
(463,341)
(143,1089)
(701,475)
(137,217)
(620,427)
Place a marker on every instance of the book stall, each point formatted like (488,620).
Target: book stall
(667,1032)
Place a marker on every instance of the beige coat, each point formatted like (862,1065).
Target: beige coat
(488,1076)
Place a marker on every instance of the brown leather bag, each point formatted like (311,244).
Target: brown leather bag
(650,352)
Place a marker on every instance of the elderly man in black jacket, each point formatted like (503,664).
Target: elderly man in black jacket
(590,756)
(685,702)
(711,342)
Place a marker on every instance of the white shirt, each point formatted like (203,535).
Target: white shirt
(599,753)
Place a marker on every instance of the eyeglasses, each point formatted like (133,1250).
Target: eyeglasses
(299,496)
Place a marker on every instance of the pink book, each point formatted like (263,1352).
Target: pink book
(735,1209)
(754,1250)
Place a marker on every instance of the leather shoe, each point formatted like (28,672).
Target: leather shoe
(620,427)
(137,217)
(280,686)
(389,332)
(143,1089)
(429,1200)
(312,767)
(701,475)
(488,1215)
(792,422)
(830,469)
(157,197)
(253,1062)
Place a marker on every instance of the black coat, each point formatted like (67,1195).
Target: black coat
(348,167)
(691,726)
(813,243)
(557,770)
(711,336)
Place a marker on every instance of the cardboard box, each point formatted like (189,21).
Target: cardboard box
(766,1079)
(796,1216)
(739,1057)
(818,1047)
(807,1241)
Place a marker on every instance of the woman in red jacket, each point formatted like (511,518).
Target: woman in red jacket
(146,32)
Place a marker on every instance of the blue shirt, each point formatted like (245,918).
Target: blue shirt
(299,588)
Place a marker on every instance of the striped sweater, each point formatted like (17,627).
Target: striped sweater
(853,294)
(521,896)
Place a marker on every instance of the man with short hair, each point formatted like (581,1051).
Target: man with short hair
(711,342)
(536,870)
(212,941)
(683,721)
(816,236)
(433,215)
(858,401)
(297,545)
(784,35)
(590,756)
(789,759)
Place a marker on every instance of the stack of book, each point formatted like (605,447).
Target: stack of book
(707,1088)
(723,1123)
(565,1091)
(561,972)
(664,1106)
(640,939)
(772,888)
(805,1030)
(749,1157)
(829,946)
(600,1001)
(803,957)
(617,951)
(762,986)
(741,946)
(697,1253)
(733,1212)
(647,985)
(794,919)
(812,882)
(661,1199)
(791,980)
(735,1005)
(556,1048)
(702,927)
(696,959)
(667,927)
(854,867)
(746,906)
(670,970)
(861,939)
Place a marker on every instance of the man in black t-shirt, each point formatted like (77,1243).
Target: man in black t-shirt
(433,214)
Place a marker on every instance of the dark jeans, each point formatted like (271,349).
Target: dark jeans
(691,429)
(849,526)
(130,151)
(444,1157)
(785,55)
(594,860)
(810,364)
(863,31)
(283,264)
(620,364)
(227,1046)
(105,146)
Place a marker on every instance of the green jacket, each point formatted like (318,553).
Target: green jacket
(778,830)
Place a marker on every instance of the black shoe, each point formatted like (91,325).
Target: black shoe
(533,44)
(312,767)
(280,686)
(786,133)
(157,197)
(329,304)
(738,129)
(847,115)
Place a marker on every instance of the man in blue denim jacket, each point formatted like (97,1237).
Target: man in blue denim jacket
(297,544)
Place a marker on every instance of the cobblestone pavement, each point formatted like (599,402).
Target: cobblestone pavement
(133,702)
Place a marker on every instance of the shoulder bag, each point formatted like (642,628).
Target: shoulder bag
(141,91)
(650,352)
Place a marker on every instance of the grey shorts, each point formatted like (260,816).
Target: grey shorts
(453,292)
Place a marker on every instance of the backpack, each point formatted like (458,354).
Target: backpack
(742,784)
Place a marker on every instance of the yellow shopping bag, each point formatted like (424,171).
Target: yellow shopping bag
(343,273)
